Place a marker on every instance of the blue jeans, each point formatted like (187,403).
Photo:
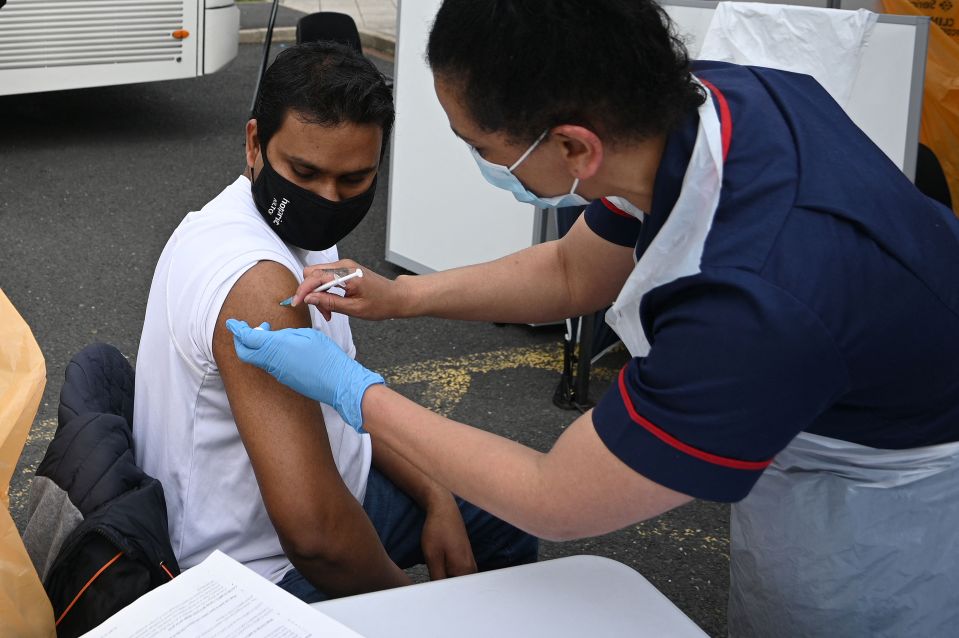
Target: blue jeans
(399,523)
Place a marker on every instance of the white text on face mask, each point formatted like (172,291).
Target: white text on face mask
(278,211)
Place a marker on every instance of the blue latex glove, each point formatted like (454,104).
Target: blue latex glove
(309,362)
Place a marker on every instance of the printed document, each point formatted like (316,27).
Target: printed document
(220,598)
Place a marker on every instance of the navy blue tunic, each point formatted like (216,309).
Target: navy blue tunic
(827,302)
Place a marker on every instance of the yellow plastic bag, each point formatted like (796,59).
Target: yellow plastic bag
(940,100)
(24,607)
(943,13)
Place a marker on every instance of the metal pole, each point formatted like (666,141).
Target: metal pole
(583,362)
(266,53)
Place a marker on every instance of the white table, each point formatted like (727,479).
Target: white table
(575,597)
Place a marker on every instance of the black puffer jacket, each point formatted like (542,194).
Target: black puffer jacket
(120,548)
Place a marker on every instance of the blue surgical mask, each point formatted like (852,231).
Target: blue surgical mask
(503,177)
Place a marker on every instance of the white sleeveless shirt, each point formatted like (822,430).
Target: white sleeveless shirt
(183,429)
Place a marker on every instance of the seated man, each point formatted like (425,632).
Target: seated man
(276,480)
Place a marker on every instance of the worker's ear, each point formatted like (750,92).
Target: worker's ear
(252,143)
(582,149)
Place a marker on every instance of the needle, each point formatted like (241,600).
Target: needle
(330,284)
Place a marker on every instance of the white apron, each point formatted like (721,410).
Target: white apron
(835,539)
(677,249)
(840,539)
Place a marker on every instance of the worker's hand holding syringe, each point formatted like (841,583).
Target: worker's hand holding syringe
(306,359)
(368,296)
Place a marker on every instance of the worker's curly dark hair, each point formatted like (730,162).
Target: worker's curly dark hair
(324,83)
(522,66)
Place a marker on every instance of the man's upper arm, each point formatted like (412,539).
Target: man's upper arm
(283,432)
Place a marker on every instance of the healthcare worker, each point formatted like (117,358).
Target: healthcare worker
(789,299)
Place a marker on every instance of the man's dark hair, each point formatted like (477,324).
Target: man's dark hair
(522,66)
(325,83)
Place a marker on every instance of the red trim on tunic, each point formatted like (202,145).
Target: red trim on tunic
(672,441)
(611,206)
(725,118)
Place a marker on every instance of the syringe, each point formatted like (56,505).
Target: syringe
(330,284)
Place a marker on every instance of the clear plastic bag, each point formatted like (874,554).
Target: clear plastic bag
(839,539)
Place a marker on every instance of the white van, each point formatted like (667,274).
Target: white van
(47,45)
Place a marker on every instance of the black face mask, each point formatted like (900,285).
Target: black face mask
(303,218)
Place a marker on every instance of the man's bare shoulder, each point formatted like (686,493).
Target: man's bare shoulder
(255,298)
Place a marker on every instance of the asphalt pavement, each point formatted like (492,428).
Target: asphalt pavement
(91,186)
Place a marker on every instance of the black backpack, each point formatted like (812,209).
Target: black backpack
(112,558)
(120,549)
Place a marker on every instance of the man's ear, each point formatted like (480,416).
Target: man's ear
(252,143)
(582,150)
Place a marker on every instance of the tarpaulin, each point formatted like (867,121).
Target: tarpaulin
(940,100)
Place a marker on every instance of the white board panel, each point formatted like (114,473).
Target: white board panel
(886,99)
(881,97)
(441,213)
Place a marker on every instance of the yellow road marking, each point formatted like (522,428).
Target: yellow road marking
(41,432)
(682,537)
(448,380)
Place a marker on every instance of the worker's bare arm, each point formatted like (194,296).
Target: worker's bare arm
(577,489)
(575,275)
(323,529)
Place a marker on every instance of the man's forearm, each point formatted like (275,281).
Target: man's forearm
(414,482)
(354,563)
(337,579)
